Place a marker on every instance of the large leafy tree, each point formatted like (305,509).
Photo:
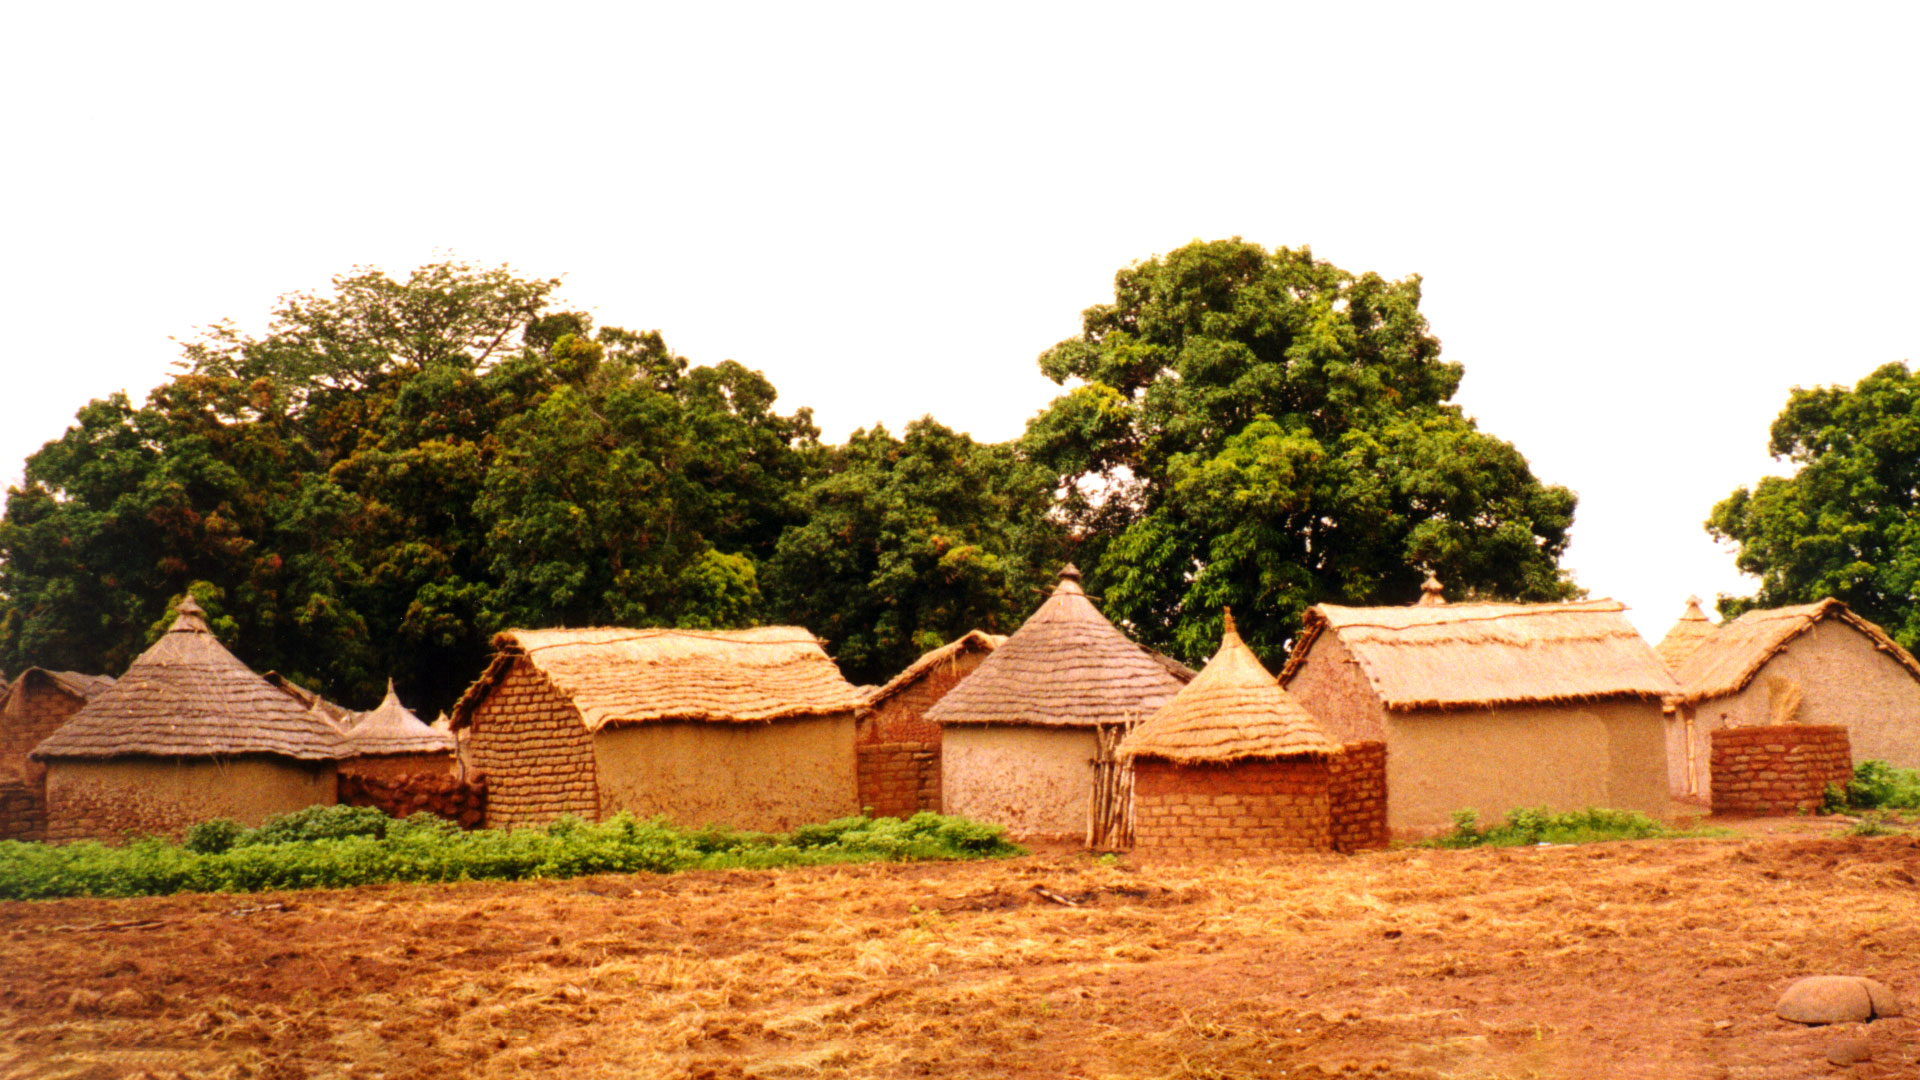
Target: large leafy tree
(1847,522)
(1264,430)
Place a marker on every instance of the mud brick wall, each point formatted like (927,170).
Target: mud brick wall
(898,748)
(23,811)
(1777,769)
(437,793)
(111,798)
(390,766)
(535,751)
(1357,794)
(31,712)
(1242,807)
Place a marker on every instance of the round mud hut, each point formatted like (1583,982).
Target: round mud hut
(187,734)
(1027,739)
(391,742)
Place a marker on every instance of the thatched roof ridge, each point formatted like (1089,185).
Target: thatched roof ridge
(616,675)
(1479,655)
(187,696)
(1234,709)
(1728,661)
(1066,666)
(339,716)
(393,729)
(1688,633)
(971,641)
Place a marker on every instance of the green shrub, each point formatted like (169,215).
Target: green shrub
(1536,825)
(1877,784)
(319,823)
(214,837)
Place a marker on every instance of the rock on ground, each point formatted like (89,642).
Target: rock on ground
(1837,999)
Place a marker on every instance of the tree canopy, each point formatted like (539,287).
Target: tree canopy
(1264,430)
(1847,522)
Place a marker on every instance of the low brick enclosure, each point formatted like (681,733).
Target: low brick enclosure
(441,794)
(1777,769)
(23,810)
(1256,805)
(1357,797)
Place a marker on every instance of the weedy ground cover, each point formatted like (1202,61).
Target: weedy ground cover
(1537,825)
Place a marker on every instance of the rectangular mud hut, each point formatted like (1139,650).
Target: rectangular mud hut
(1234,765)
(898,747)
(1814,664)
(751,729)
(32,708)
(1028,740)
(1490,707)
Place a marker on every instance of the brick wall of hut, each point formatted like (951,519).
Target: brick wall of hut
(23,811)
(441,794)
(1777,769)
(899,748)
(535,751)
(391,766)
(1357,797)
(33,710)
(110,798)
(1241,807)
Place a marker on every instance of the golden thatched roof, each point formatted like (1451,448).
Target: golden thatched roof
(614,675)
(392,729)
(1467,655)
(1065,666)
(1688,634)
(931,660)
(1726,662)
(187,696)
(1233,709)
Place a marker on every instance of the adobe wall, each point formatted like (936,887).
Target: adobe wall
(1357,797)
(1609,754)
(535,751)
(769,777)
(105,799)
(899,748)
(23,810)
(32,711)
(1330,684)
(1777,770)
(390,766)
(1240,807)
(441,794)
(1035,780)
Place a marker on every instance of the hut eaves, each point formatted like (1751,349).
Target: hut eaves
(1234,709)
(1728,661)
(971,641)
(393,729)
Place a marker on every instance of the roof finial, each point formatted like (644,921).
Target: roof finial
(1069,572)
(1693,611)
(1227,615)
(1431,593)
(188,617)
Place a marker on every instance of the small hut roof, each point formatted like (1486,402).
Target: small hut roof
(1691,631)
(1233,709)
(971,641)
(187,696)
(338,715)
(1726,662)
(1474,655)
(1066,666)
(614,675)
(392,729)
(69,682)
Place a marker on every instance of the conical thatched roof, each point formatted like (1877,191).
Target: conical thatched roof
(1233,709)
(391,729)
(187,696)
(1726,662)
(971,641)
(1473,655)
(1688,634)
(1067,666)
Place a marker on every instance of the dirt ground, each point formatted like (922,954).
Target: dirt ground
(1650,959)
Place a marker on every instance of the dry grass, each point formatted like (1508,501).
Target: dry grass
(1645,959)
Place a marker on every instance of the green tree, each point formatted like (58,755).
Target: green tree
(1263,429)
(1846,524)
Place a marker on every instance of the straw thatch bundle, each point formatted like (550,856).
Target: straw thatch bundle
(1234,709)
(1468,655)
(1065,666)
(971,641)
(187,696)
(1728,661)
(620,676)
(392,729)
(1688,634)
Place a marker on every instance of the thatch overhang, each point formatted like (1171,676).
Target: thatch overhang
(1233,710)
(1692,630)
(1725,663)
(1066,666)
(1460,656)
(615,675)
(187,696)
(393,729)
(929,661)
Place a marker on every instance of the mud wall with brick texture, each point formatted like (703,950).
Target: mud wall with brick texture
(1777,769)
(535,751)
(109,798)
(390,766)
(899,748)
(441,794)
(33,709)
(1357,797)
(23,810)
(764,776)
(1240,807)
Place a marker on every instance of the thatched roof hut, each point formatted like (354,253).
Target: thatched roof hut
(899,748)
(161,747)
(753,728)
(1233,710)
(391,741)
(1491,706)
(1689,632)
(33,707)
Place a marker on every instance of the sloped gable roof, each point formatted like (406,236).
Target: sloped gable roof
(1728,661)
(1233,709)
(929,661)
(72,683)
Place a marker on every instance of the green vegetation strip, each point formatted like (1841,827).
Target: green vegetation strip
(336,846)
(1535,825)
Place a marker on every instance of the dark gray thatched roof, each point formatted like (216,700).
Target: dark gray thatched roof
(1067,666)
(187,696)
(392,729)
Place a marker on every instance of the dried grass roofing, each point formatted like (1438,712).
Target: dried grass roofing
(187,696)
(614,675)
(1234,709)
(1476,655)
(393,729)
(931,660)
(1066,666)
(339,716)
(1688,634)
(1726,662)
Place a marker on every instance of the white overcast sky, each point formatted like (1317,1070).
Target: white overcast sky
(1638,225)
